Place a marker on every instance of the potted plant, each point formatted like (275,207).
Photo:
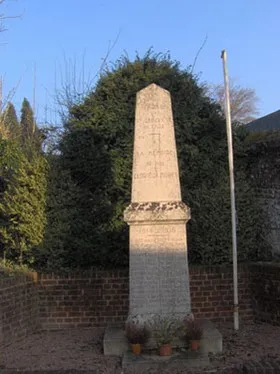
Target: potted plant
(193,332)
(164,330)
(137,334)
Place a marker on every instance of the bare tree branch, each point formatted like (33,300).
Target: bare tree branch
(110,49)
(243,101)
(4,17)
(11,93)
(198,52)
(75,87)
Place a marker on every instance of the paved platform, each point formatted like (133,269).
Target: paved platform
(115,343)
(178,361)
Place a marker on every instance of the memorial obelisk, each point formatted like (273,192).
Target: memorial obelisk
(158,268)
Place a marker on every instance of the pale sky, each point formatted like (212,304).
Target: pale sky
(51,31)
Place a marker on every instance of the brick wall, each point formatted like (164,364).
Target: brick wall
(266,292)
(212,292)
(102,297)
(19,306)
(83,300)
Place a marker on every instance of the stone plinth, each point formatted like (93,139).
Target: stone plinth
(159,276)
(116,344)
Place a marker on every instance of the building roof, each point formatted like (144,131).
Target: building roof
(269,122)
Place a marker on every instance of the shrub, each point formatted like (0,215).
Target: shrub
(165,329)
(136,333)
(193,329)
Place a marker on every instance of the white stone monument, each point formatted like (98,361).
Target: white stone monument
(158,268)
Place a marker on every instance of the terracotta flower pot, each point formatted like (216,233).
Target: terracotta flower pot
(165,350)
(195,344)
(136,349)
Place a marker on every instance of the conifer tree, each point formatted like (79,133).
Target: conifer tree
(31,136)
(27,120)
(61,214)
(10,122)
(23,169)
(97,149)
(22,201)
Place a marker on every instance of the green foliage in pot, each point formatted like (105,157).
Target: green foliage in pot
(164,329)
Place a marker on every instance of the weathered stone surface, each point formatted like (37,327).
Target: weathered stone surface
(114,341)
(179,361)
(155,166)
(159,278)
(151,211)
(212,340)
(158,269)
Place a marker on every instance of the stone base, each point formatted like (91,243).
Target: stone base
(115,343)
(212,340)
(177,361)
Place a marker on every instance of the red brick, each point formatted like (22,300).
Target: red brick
(99,297)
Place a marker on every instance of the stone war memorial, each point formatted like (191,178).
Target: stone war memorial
(158,269)
(157,217)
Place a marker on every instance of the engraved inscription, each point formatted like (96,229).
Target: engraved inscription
(158,238)
(162,285)
(155,166)
(154,175)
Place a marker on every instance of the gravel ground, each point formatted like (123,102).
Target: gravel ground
(255,342)
(82,349)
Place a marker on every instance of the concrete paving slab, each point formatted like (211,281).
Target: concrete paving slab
(178,360)
(114,341)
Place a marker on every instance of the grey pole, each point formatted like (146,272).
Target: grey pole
(232,193)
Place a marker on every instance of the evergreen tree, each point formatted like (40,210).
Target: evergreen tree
(23,186)
(10,122)
(74,212)
(97,150)
(62,199)
(27,120)
(31,136)
(22,203)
